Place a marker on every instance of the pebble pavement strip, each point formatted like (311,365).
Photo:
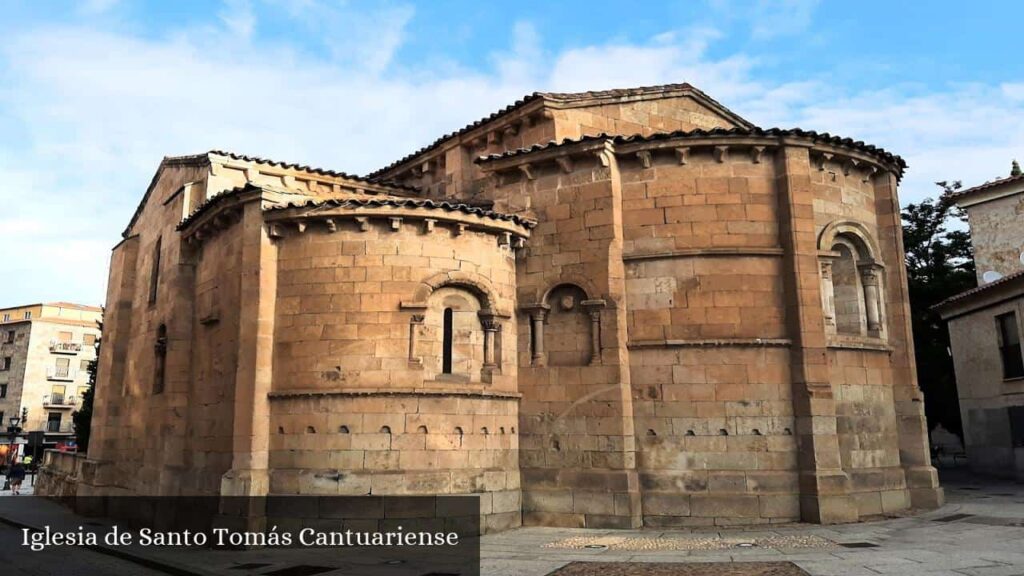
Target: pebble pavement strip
(697,543)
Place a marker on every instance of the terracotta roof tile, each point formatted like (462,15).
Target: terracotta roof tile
(559,97)
(714,132)
(987,185)
(980,289)
(407,203)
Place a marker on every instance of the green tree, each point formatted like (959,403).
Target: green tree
(1015,169)
(83,416)
(939,265)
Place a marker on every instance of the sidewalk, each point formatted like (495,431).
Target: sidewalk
(27,489)
(980,532)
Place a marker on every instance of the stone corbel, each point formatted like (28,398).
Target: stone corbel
(849,165)
(645,158)
(251,173)
(721,154)
(396,223)
(428,225)
(332,225)
(300,226)
(603,158)
(519,242)
(459,229)
(821,159)
(288,181)
(493,137)
(755,154)
(427,167)
(593,308)
(364,223)
(565,163)
(505,239)
(274,231)
(510,131)
(527,170)
(870,173)
(683,154)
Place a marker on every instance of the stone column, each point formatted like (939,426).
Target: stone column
(869,276)
(538,314)
(490,328)
(824,486)
(415,321)
(593,308)
(828,296)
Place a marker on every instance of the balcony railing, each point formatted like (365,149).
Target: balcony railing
(59,347)
(59,401)
(65,373)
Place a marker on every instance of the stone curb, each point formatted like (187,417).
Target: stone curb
(162,565)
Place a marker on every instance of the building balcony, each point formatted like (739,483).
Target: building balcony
(60,427)
(59,401)
(58,347)
(61,374)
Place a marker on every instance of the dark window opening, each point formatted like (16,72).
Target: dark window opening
(1016,415)
(446,355)
(53,422)
(160,347)
(1009,346)
(154,271)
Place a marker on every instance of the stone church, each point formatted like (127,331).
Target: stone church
(604,309)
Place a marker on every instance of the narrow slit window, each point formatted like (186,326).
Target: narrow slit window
(154,271)
(446,354)
(160,364)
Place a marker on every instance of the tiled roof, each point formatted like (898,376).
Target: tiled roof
(562,97)
(987,185)
(211,202)
(984,287)
(73,306)
(312,170)
(407,203)
(714,132)
(205,157)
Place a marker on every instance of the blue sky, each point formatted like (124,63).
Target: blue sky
(93,93)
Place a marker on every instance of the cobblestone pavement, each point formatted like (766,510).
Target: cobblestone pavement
(979,532)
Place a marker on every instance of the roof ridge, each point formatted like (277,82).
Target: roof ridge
(978,289)
(557,96)
(987,185)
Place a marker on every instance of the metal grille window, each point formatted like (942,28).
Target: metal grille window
(1009,346)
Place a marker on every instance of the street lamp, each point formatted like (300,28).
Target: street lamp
(14,429)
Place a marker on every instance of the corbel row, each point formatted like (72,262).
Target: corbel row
(213,225)
(847,164)
(280,228)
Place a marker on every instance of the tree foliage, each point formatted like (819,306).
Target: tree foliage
(83,416)
(939,265)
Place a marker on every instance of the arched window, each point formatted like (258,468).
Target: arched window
(851,281)
(447,340)
(160,361)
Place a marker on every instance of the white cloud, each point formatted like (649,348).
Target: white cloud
(774,18)
(93,112)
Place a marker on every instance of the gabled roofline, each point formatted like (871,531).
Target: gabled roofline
(562,100)
(967,297)
(975,191)
(206,159)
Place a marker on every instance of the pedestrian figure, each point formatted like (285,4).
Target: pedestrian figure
(16,476)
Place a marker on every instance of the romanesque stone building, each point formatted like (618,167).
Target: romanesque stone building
(605,309)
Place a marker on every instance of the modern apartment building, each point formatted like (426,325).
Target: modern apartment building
(45,350)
